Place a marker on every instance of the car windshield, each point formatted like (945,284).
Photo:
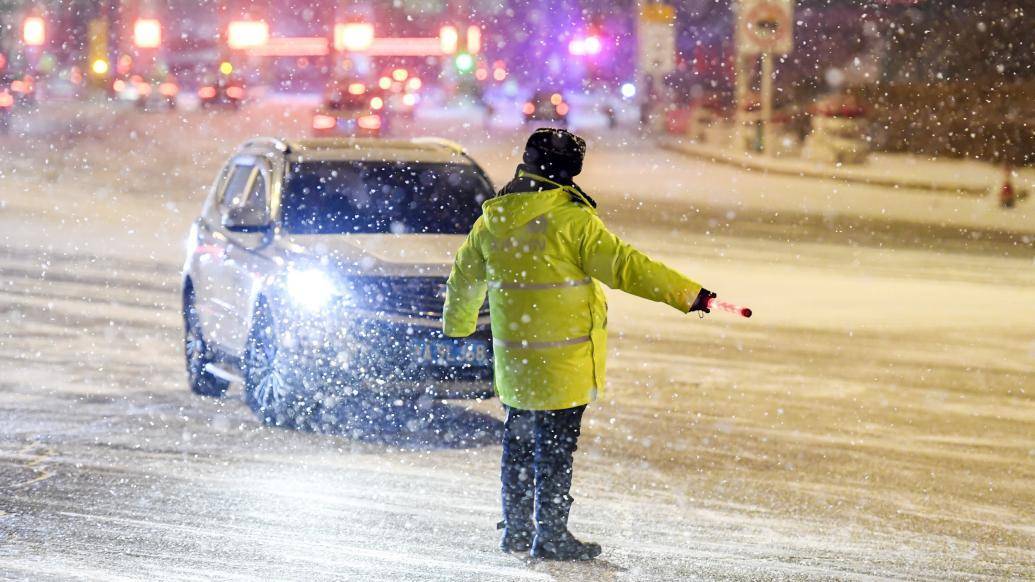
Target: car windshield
(339,197)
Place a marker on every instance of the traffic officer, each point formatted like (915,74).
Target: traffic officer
(540,251)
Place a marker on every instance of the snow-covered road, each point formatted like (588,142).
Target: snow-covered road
(875,419)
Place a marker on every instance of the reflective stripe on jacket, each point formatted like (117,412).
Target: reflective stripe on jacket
(539,256)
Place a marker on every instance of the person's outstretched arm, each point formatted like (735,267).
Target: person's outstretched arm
(618,265)
(465,290)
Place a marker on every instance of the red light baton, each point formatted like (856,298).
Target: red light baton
(714,303)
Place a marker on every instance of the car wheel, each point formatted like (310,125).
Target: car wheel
(198,353)
(276,380)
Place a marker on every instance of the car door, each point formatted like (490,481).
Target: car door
(220,289)
(246,264)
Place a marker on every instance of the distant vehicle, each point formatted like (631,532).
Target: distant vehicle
(401,90)
(222,91)
(316,273)
(351,108)
(146,94)
(23,89)
(6,110)
(546,106)
(66,85)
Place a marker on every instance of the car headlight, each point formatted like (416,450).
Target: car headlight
(312,289)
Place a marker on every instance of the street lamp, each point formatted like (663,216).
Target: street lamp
(474,39)
(147,33)
(34,31)
(448,39)
(244,34)
(353,36)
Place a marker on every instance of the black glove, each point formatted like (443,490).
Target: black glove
(701,303)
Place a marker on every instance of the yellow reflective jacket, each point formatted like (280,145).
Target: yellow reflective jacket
(540,256)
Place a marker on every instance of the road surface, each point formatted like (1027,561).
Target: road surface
(875,419)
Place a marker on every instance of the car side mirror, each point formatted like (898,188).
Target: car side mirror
(245,219)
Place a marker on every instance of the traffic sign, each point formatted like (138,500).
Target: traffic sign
(764,26)
(656,34)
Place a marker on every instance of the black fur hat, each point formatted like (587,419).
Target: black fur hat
(556,153)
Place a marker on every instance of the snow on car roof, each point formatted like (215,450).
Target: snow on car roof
(430,150)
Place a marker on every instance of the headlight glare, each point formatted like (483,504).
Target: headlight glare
(312,289)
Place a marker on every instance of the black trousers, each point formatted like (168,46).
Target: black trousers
(538,446)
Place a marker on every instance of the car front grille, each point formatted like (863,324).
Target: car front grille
(407,296)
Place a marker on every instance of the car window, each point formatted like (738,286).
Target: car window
(256,199)
(233,194)
(338,197)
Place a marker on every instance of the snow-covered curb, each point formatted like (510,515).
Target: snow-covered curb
(876,173)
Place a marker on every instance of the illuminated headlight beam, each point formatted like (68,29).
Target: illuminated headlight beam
(312,289)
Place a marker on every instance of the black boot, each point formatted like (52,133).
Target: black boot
(515,539)
(563,547)
(556,440)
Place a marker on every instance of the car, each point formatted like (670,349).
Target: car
(147,94)
(23,89)
(351,108)
(221,91)
(546,106)
(401,91)
(6,110)
(315,276)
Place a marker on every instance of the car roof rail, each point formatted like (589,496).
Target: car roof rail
(277,143)
(441,142)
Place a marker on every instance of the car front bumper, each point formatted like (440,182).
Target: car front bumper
(391,355)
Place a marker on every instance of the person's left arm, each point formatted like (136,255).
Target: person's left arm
(617,264)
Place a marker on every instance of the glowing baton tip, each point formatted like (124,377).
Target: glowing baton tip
(714,303)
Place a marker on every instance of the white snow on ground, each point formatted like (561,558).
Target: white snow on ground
(874,419)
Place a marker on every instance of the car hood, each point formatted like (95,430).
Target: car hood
(402,255)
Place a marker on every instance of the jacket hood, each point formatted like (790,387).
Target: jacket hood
(527,197)
(511,211)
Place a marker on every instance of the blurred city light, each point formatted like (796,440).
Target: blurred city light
(226,68)
(353,36)
(124,64)
(464,62)
(588,46)
(147,33)
(99,67)
(34,31)
(369,122)
(628,90)
(592,45)
(448,39)
(242,34)
(474,39)
(324,122)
